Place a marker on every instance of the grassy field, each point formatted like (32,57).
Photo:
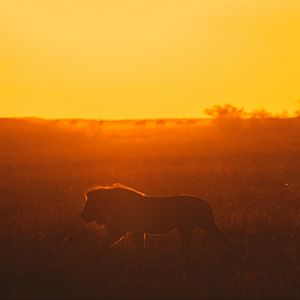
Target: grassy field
(249,170)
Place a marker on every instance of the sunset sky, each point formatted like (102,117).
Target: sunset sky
(118,59)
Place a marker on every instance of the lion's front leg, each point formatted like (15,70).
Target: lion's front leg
(114,234)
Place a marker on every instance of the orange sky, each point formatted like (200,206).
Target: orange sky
(117,59)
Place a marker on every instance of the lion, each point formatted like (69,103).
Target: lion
(121,209)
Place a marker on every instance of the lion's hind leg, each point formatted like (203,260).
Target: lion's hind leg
(139,239)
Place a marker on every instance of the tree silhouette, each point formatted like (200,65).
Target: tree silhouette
(260,113)
(225,111)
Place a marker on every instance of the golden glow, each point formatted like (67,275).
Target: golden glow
(140,59)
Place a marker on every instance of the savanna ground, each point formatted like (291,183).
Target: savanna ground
(249,170)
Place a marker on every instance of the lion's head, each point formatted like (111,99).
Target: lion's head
(96,207)
(104,202)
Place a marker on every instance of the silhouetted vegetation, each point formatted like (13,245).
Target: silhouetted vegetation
(160,122)
(229,111)
(225,111)
(248,170)
(141,122)
(260,113)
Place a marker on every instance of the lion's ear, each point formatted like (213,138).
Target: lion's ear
(90,195)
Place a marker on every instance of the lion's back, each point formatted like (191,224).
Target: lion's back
(158,214)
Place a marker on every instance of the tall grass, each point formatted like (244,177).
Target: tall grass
(248,171)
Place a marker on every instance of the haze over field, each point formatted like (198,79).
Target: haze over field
(248,170)
(115,59)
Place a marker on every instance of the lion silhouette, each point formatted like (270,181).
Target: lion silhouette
(122,209)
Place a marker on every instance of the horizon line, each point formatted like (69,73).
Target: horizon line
(145,119)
